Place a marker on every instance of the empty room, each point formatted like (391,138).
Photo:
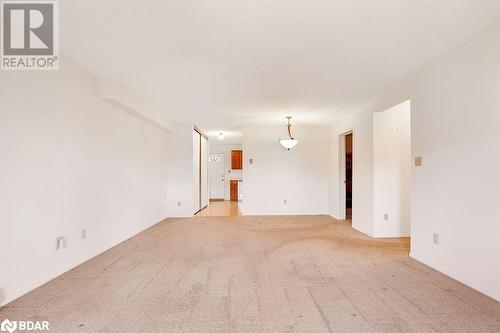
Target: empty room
(250,166)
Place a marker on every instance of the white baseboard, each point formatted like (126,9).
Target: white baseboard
(362,231)
(391,235)
(453,275)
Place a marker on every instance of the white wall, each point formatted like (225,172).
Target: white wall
(455,128)
(392,171)
(361,123)
(228,173)
(181,178)
(299,175)
(70,161)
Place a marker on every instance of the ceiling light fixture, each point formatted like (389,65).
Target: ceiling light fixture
(221,136)
(290,142)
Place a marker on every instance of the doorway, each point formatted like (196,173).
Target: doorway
(346,167)
(225,169)
(217,178)
(348,176)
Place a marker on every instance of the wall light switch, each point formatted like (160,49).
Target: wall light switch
(250,161)
(418,161)
(83,233)
(179,204)
(386,217)
(285,201)
(435,238)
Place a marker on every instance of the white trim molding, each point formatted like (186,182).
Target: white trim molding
(117,94)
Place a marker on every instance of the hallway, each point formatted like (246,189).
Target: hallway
(221,208)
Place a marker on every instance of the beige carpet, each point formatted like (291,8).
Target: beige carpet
(249,274)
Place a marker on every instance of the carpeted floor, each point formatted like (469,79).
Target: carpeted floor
(256,274)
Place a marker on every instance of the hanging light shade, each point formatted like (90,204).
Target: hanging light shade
(290,142)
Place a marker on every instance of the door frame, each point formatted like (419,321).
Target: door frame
(342,174)
(225,178)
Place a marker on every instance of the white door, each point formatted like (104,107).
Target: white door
(204,173)
(216,174)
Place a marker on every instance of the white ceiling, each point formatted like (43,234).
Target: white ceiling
(231,62)
(232,135)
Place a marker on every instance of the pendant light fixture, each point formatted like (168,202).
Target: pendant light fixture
(290,142)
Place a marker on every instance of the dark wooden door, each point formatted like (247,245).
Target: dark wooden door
(348,175)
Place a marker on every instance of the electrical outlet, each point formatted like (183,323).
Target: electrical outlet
(83,234)
(179,204)
(285,201)
(435,238)
(60,243)
(386,217)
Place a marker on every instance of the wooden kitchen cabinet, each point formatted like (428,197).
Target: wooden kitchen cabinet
(233,190)
(237,159)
